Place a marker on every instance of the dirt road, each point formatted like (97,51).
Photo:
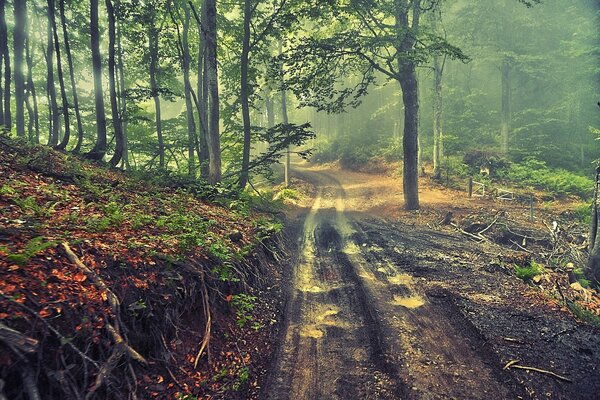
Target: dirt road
(384,310)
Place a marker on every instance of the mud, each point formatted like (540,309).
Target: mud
(383,310)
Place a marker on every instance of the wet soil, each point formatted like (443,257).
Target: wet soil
(384,309)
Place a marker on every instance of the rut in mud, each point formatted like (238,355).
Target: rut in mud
(381,310)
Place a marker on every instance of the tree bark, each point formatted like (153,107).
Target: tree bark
(54,116)
(112,84)
(202,90)
(191,124)
(506,106)
(34,118)
(438,70)
(122,99)
(214,141)
(5,55)
(244,95)
(20,14)
(61,81)
(99,150)
(594,242)
(63,23)
(407,77)
(153,49)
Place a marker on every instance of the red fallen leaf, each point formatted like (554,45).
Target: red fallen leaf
(160,379)
(44,313)
(79,277)
(229,298)
(9,289)
(4,315)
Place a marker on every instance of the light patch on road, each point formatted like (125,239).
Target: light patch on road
(409,302)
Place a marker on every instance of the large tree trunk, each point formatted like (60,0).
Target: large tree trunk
(214,142)
(34,118)
(63,23)
(407,78)
(61,81)
(438,70)
(100,146)
(6,122)
(244,94)
(594,242)
(153,48)
(20,13)
(54,116)
(112,84)
(506,106)
(185,48)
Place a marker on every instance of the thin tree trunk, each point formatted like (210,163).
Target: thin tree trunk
(50,88)
(188,95)
(244,95)
(35,119)
(506,109)
(112,76)
(20,14)
(410,96)
(123,100)
(285,121)
(63,23)
(100,146)
(203,154)
(5,55)
(153,47)
(214,141)
(61,81)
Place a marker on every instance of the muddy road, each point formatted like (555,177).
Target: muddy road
(383,310)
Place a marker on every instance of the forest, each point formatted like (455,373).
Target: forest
(169,168)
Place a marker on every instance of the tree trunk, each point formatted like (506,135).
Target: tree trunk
(594,242)
(20,13)
(244,94)
(35,119)
(407,78)
(122,99)
(438,70)
(5,55)
(63,23)
(112,85)
(61,81)
(50,88)
(100,146)
(285,121)
(202,90)
(153,48)
(191,124)
(506,106)
(214,142)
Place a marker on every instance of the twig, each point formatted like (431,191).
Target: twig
(543,371)
(478,238)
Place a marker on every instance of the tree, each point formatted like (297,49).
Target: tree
(244,95)
(6,121)
(112,77)
(438,71)
(61,81)
(19,37)
(100,146)
(360,41)
(54,117)
(214,140)
(63,23)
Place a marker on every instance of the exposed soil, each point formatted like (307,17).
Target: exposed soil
(384,306)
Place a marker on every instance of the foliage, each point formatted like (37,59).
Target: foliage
(244,305)
(32,248)
(528,272)
(556,181)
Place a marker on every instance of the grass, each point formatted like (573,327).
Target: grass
(526,273)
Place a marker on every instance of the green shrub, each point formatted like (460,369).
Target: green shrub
(560,182)
(583,212)
(527,272)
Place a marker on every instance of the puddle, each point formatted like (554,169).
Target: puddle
(312,332)
(409,302)
(400,279)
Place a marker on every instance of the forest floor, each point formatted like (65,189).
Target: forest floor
(389,304)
